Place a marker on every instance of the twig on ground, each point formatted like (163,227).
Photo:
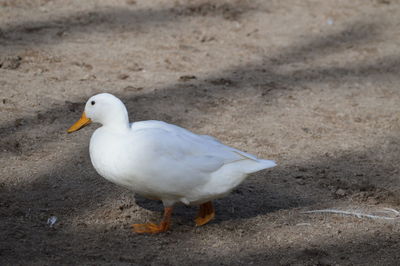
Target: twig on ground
(392,210)
(358,214)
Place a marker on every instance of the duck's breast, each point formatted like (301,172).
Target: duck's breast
(136,161)
(112,157)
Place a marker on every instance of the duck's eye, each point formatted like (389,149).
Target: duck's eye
(93,102)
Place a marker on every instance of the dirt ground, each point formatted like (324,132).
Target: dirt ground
(313,85)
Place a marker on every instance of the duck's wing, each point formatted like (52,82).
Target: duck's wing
(198,152)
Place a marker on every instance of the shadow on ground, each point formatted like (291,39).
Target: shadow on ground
(215,89)
(120,19)
(285,187)
(291,186)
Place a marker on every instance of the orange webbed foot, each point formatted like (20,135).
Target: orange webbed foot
(206,214)
(151,228)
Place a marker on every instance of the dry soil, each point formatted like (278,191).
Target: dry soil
(313,85)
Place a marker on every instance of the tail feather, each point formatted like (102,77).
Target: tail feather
(252,166)
(231,175)
(268,163)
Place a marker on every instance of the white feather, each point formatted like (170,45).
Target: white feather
(164,161)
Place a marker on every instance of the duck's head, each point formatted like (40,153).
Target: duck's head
(103,108)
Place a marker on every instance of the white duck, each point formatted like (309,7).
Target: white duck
(163,161)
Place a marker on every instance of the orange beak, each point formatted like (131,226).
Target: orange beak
(82,122)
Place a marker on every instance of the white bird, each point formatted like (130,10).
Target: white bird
(162,161)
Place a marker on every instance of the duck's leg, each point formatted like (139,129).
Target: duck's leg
(206,213)
(151,228)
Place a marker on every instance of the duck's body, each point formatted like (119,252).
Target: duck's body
(163,161)
(166,162)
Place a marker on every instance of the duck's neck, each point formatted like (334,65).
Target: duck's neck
(118,122)
(117,127)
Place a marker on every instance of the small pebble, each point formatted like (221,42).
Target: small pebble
(123,76)
(340,192)
(52,220)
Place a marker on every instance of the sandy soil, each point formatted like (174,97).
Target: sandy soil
(310,84)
